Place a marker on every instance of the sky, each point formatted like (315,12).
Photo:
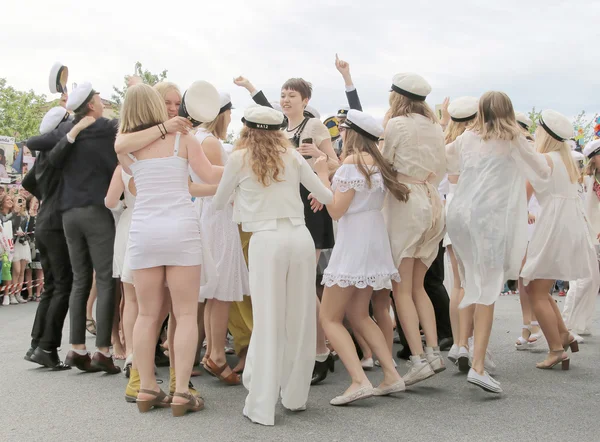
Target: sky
(542,53)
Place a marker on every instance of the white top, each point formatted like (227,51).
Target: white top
(258,207)
(366,198)
(592,204)
(487,217)
(562,241)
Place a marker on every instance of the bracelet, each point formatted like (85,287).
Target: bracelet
(165,128)
(162,134)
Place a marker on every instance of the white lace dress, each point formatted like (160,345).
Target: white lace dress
(362,255)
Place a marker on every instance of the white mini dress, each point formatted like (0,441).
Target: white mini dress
(122,231)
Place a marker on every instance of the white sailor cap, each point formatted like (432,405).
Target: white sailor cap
(225,102)
(311,112)
(200,103)
(523,120)
(276,106)
(57,81)
(263,117)
(411,85)
(343,112)
(53,118)
(80,96)
(463,109)
(592,148)
(364,124)
(577,156)
(556,124)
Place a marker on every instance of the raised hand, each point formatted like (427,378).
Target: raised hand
(445,113)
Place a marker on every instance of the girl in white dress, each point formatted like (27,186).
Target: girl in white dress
(222,237)
(164,241)
(361,260)
(487,218)
(580,303)
(563,244)
(414,146)
(265,172)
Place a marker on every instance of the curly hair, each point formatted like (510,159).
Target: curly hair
(264,150)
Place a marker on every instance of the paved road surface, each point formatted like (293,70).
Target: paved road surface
(537,405)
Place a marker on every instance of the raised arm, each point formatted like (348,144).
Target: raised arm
(535,167)
(351,94)
(257,96)
(204,169)
(134,141)
(59,154)
(45,142)
(229,181)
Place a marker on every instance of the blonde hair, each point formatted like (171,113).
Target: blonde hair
(401,106)
(545,143)
(217,127)
(356,144)
(455,129)
(264,150)
(142,108)
(496,118)
(164,87)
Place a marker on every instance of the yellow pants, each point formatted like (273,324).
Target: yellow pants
(240,313)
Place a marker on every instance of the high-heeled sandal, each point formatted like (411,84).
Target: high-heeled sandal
(572,344)
(158,401)
(231,379)
(523,343)
(206,368)
(192,405)
(562,359)
(90,326)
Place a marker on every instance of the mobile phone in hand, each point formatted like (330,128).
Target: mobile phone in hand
(307,141)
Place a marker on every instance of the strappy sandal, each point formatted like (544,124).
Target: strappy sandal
(158,401)
(563,359)
(232,379)
(572,344)
(90,326)
(207,368)
(192,405)
(523,343)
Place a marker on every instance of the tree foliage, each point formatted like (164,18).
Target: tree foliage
(583,126)
(21,112)
(146,76)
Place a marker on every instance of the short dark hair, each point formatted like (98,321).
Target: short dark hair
(299,85)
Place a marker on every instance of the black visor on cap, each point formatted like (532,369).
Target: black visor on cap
(350,125)
(552,134)
(462,120)
(594,153)
(226,108)
(59,87)
(408,94)
(184,113)
(343,112)
(262,126)
(523,125)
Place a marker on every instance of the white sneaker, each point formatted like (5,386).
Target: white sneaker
(453,354)
(419,370)
(13,300)
(485,382)
(6,300)
(367,364)
(488,363)
(463,361)
(20,300)
(435,359)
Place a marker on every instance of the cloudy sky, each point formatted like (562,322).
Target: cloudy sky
(542,53)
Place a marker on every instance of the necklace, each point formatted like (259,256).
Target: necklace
(292,130)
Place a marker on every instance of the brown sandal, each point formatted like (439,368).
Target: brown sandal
(206,368)
(193,404)
(232,379)
(158,401)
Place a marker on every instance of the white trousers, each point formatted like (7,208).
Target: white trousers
(580,304)
(282,350)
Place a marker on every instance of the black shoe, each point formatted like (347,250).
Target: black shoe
(49,359)
(161,359)
(321,369)
(82,362)
(28,355)
(103,363)
(404,353)
(446,343)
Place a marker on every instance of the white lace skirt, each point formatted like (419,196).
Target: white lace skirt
(22,252)
(362,255)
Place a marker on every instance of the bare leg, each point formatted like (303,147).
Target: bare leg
(466,316)
(201,331)
(39,277)
(423,304)
(321,339)
(455,296)
(218,324)
(16,275)
(118,349)
(484,318)
(382,301)
(366,350)
(208,328)
(29,283)
(407,312)
(130,313)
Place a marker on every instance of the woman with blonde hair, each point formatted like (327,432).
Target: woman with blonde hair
(157,253)
(563,244)
(487,218)
(265,172)
(414,146)
(22,253)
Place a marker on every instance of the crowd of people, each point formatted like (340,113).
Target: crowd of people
(185,240)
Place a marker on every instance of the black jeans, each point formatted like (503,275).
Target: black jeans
(90,233)
(434,286)
(58,280)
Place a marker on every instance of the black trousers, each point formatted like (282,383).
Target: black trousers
(58,280)
(434,286)
(90,233)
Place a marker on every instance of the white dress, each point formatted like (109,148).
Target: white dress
(122,231)
(222,237)
(362,255)
(487,218)
(414,145)
(164,226)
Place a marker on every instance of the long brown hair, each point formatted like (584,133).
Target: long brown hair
(217,127)
(264,151)
(356,144)
(402,106)
(496,118)
(455,129)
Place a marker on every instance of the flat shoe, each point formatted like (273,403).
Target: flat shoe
(396,387)
(362,393)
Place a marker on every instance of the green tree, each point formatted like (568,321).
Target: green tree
(534,116)
(146,76)
(20,112)
(584,128)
